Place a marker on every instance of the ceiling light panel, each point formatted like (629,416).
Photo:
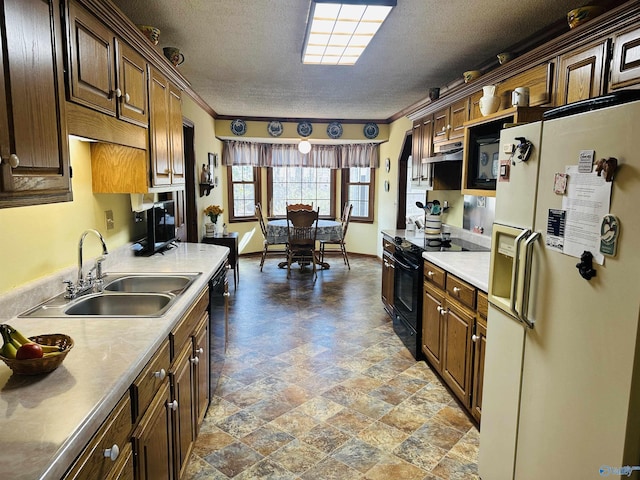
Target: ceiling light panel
(337,33)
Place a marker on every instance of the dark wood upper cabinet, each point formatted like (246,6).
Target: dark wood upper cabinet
(581,73)
(105,74)
(33,133)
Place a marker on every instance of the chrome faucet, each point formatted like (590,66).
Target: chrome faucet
(83,284)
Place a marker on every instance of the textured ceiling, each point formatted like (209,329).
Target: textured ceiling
(243,57)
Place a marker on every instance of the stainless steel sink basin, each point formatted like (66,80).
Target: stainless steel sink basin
(123,295)
(121,305)
(152,283)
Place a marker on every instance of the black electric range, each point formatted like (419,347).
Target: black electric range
(408,281)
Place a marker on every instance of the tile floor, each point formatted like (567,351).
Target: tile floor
(316,386)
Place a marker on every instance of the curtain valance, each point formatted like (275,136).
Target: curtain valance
(287,155)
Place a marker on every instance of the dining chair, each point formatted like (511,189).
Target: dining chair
(302,226)
(300,206)
(266,243)
(340,245)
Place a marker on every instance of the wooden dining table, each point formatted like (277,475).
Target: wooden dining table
(328,230)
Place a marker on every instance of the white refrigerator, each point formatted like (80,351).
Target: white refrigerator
(561,396)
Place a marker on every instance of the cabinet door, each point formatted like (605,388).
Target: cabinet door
(132,85)
(159,129)
(175,135)
(182,392)
(581,73)
(479,349)
(201,367)
(456,364)
(433,315)
(459,114)
(427,137)
(33,135)
(153,440)
(388,272)
(625,64)
(441,125)
(416,151)
(91,61)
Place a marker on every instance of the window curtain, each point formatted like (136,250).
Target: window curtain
(287,155)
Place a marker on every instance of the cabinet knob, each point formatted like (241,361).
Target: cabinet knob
(456,289)
(173,405)
(13,160)
(475,337)
(160,374)
(200,351)
(430,273)
(118,92)
(195,360)
(112,453)
(127,97)
(444,128)
(443,311)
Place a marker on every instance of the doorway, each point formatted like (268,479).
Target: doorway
(191,216)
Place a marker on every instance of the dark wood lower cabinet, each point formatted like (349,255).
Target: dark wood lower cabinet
(182,392)
(454,332)
(153,439)
(432,326)
(456,368)
(480,347)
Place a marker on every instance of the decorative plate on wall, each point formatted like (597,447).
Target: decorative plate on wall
(371,130)
(275,128)
(238,127)
(304,129)
(334,130)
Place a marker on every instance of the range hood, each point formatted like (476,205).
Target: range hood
(446,152)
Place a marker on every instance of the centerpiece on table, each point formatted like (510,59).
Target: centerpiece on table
(212,228)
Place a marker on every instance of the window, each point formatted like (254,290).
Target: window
(357,189)
(244,192)
(301,185)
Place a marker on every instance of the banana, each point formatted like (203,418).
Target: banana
(20,339)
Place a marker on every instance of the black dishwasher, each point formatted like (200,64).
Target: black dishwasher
(218,322)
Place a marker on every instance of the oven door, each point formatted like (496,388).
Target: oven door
(407,288)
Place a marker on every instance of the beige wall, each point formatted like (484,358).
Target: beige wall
(38,240)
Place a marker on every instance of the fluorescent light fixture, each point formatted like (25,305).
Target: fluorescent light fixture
(338,32)
(304,147)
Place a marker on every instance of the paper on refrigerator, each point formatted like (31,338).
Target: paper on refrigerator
(576,227)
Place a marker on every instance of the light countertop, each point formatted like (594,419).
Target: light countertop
(48,419)
(472,267)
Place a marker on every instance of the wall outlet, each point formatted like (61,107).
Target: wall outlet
(108,214)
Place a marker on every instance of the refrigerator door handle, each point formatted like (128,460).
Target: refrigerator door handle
(515,273)
(526,287)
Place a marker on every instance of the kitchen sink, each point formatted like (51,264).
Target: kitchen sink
(123,295)
(121,305)
(156,283)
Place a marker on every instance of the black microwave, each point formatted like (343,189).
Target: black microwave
(483,147)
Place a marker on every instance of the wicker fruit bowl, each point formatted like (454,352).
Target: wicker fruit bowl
(46,364)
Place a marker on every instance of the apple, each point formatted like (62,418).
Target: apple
(29,350)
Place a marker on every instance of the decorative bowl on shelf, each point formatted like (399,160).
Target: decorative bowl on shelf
(471,75)
(578,16)
(152,33)
(46,364)
(504,57)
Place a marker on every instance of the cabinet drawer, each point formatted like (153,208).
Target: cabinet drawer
(115,430)
(434,274)
(388,246)
(483,304)
(145,386)
(461,291)
(181,333)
